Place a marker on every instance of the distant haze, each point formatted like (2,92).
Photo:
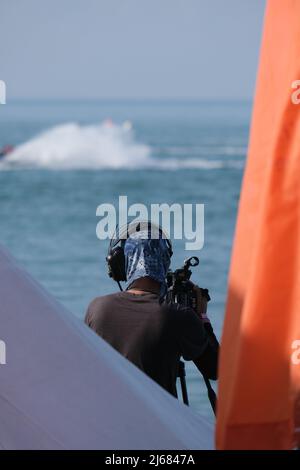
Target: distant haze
(205,49)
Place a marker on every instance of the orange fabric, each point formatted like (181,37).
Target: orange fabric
(259,387)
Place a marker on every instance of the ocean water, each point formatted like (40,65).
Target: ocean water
(72,156)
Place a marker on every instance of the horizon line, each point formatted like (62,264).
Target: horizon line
(131,100)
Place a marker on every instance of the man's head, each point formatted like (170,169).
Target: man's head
(147,257)
(144,251)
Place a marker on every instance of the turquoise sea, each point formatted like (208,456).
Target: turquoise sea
(72,156)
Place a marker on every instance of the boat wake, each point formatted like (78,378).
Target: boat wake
(103,146)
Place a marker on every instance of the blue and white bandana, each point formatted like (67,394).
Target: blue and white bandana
(146,257)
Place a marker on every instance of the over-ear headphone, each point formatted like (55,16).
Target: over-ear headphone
(116,257)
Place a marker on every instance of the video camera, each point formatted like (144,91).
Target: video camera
(180,288)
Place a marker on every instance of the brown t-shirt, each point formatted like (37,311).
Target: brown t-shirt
(151,335)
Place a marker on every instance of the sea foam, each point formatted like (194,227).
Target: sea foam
(102,146)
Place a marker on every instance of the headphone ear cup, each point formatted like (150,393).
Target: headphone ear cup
(116,264)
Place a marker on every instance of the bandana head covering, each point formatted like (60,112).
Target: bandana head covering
(147,257)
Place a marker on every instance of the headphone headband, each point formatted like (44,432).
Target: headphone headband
(121,234)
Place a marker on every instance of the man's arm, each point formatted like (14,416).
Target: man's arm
(198,341)
(207,362)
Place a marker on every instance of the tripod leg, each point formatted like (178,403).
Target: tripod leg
(181,375)
(211,395)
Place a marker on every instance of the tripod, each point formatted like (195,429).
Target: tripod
(210,391)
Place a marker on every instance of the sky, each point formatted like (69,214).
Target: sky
(130,49)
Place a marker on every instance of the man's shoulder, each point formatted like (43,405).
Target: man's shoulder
(100,304)
(103,300)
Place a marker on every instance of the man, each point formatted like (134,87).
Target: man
(142,327)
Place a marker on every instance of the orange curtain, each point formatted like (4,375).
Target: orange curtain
(259,386)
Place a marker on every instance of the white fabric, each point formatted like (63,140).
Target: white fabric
(65,388)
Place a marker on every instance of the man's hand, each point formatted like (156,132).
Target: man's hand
(201,303)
